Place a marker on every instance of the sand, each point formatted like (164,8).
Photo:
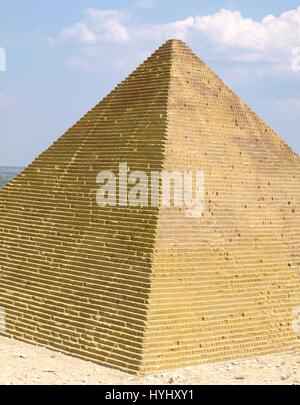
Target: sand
(24,364)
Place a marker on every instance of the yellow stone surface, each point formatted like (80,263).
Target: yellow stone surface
(143,289)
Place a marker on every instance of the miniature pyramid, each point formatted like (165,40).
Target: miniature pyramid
(143,288)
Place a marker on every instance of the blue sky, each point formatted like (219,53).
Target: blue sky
(63,56)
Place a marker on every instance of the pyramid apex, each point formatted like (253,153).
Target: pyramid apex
(175,44)
(176,41)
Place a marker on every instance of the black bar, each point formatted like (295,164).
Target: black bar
(141,393)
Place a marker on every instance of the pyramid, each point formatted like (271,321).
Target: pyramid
(148,288)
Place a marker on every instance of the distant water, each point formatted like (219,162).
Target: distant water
(8,173)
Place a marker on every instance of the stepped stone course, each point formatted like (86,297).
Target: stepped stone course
(143,288)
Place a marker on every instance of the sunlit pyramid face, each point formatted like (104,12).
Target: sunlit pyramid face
(145,287)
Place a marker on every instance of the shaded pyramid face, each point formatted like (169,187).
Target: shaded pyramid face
(147,288)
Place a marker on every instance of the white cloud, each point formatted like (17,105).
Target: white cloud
(78,32)
(248,40)
(225,34)
(230,29)
(178,29)
(98,26)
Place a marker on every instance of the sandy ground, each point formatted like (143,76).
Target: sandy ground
(23,364)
